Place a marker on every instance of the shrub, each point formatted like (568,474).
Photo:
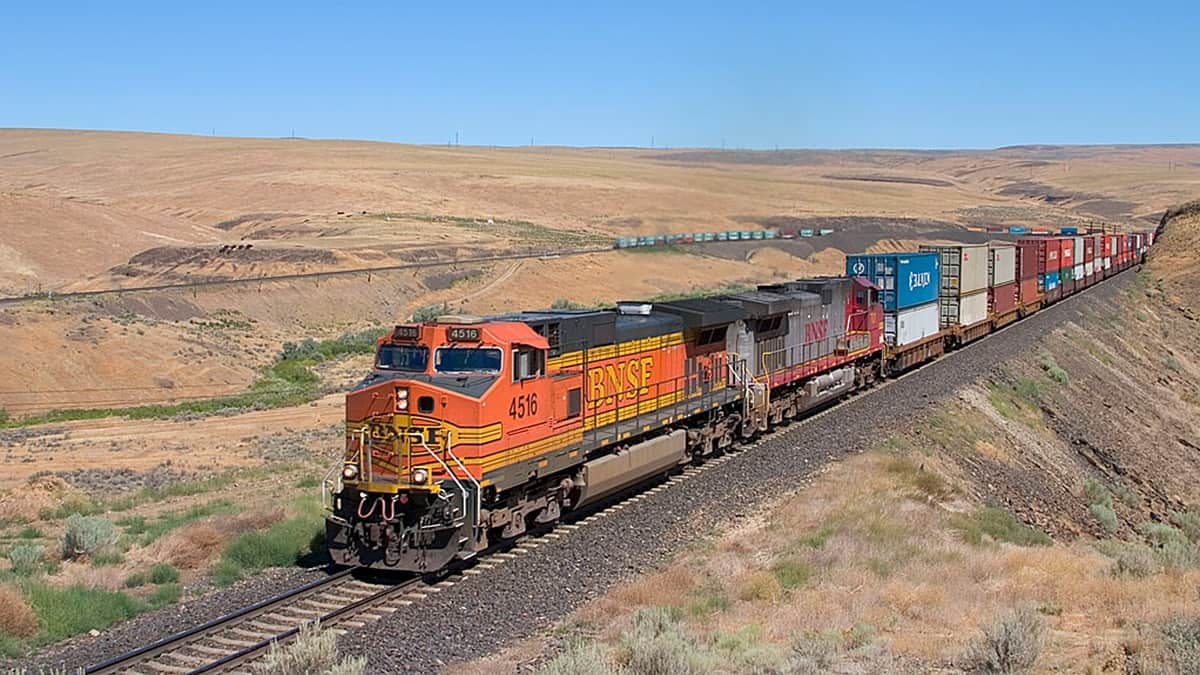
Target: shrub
(429,313)
(581,658)
(1053,370)
(1182,637)
(1027,389)
(313,651)
(72,610)
(86,535)
(1188,522)
(1105,515)
(1097,492)
(26,558)
(282,544)
(136,579)
(1172,547)
(17,618)
(29,532)
(761,585)
(656,646)
(1173,363)
(163,573)
(1136,561)
(861,635)
(1011,644)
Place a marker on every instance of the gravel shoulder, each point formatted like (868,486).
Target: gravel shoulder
(530,593)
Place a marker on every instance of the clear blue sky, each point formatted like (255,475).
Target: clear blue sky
(833,74)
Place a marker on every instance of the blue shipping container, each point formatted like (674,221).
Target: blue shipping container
(1069,231)
(1016,230)
(904,279)
(1052,281)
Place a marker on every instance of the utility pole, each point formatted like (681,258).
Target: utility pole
(456,139)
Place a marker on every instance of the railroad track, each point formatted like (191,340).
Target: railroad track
(231,643)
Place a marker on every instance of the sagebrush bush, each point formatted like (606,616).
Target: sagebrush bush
(314,651)
(87,535)
(1182,637)
(656,645)
(1104,515)
(581,658)
(1137,561)
(1171,546)
(17,618)
(26,558)
(1012,644)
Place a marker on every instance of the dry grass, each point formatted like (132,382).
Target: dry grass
(881,557)
(17,618)
(191,546)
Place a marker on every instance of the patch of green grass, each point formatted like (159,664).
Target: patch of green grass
(146,533)
(166,594)
(30,532)
(1173,363)
(928,484)
(287,381)
(1018,403)
(308,482)
(136,579)
(707,600)
(280,545)
(791,573)
(66,611)
(816,540)
(999,525)
(108,558)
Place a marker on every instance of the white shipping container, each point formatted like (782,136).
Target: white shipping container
(965,311)
(1078,248)
(1002,266)
(1112,246)
(964,269)
(1108,263)
(913,324)
(1078,273)
(1089,268)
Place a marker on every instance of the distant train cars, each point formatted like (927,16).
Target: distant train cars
(470,430)
(728,235)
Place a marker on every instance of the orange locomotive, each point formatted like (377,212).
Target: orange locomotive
(469,430)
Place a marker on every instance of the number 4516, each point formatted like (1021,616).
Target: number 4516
(523,406)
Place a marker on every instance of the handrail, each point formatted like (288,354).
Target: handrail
(478,487)
(445,467)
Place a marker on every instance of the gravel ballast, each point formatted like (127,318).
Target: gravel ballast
(528,594)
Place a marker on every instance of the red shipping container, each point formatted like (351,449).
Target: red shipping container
(1089,249)
(1003,299)
(1067,251)
(1047,254)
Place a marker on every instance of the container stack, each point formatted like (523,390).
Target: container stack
(908,290)
(1031,272)
(1003,290)
(1089,260)
(1077,243)
(1066,256)
(962,294)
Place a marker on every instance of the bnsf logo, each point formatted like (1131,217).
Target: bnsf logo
(817,330)
(620,381)
(919,280)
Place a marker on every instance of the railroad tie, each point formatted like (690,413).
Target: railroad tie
(210,651)
(165,668)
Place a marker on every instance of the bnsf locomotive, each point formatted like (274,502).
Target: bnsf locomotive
(468,430)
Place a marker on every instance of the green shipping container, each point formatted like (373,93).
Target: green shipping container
(1068,273)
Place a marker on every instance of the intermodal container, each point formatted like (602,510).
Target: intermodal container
(904,279)
(806,233)
(1078,275)
(963,310)
(1067,274)
(1031,258)
(824,232)
(1089,269)
(1029,290)
(1053,281)
(1069,231)
(911,324)
(1048,253)
(1016,230)
(964,269)
(1066,252)
(1002,265)
(1002,298)
(1089,249)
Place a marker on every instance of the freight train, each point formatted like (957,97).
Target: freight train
(468,431)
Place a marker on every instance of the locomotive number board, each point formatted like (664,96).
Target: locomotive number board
(463,334)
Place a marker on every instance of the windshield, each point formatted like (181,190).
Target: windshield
(467,360)
(414,359)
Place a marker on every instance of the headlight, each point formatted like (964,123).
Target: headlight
(402,404)
(419,476)
(401,398)
(349,472)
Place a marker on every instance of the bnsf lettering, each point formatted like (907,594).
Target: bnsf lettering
(620,381)
(919,280)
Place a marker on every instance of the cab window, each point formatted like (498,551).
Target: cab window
(408,358)
(527,363)
(467,360)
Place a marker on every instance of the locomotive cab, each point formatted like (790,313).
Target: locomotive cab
(412,471)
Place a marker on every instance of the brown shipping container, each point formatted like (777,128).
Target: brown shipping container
(1027,260)
(1089,249)
(1047,253)
(1003,299)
